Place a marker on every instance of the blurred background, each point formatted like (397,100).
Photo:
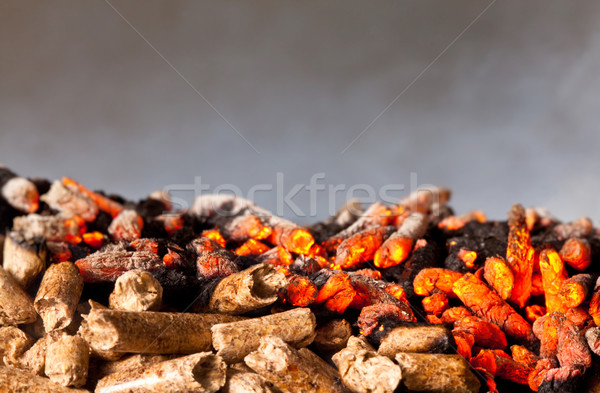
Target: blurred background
(498,100)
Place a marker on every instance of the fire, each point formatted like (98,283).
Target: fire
(105,204)
(452,223)
(94,239)
(252,248)
(215,235)
(393,253)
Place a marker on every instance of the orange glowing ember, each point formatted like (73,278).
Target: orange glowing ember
(534,312)
(337,293)
(498,274)
(171,222)
(468,257)
(577,253)
(94,239)
(454,314)
(300,291)
(452,223)
(360,247)
(431,280)
(435,304)
(519,255)
(105,204)
(215,235)
(393,252)
(397,291)
(251,227)
(296,240)
(553,274)
(251,248)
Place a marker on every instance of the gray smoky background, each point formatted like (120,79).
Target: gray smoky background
(500,101)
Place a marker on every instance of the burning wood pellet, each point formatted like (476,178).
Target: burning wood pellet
(361,247)
(577,253)
(126,226)
(553,275)
(429,281)
(288,370)
(58,295)
(594,309)
(397,247)
(519,255)
(436,373)
(500,276)
(23,259)
(454,314)
(421,339)
(423,199)
(21,194)
(212,260)
(150,332)
(252,248)
(136,290)
(202,372)
(376,215)
(364,371)
(16,307)
(234,340)
(105,204)
(435,304)
(575,290)
(66,200)
(67,360)
(59,228)
(248,290)
(114,260)
(488,305)
(300,291)
(485,334)
(500,364)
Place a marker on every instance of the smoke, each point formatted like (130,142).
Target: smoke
(508,113)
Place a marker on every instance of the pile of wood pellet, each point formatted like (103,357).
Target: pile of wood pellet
(98,293)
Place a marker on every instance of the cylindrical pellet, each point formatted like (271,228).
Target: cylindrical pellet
(136,290)
(289,371)
(13,343)
(58,295)
(246,382)
(436,373)
(364,371)
(201,372)
(234,340)
(422,339)
(333,336)
(16,307)
(248,290)
(23,259)
(150,332)
(15,380)
(67,360)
